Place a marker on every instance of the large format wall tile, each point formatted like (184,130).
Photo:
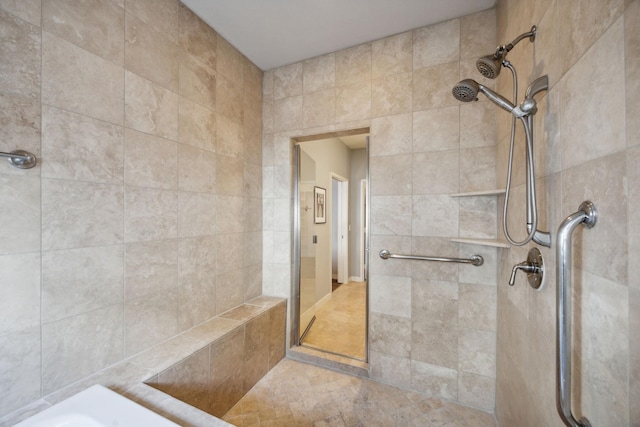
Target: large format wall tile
(196,281)
(436,129)
(197,125)
(20,56)
(73,143)
(150,161)
(436,44)
(161,15)
(150,108)
(197,81)
(585,24)
(78,346)
(196,169)
(607,253)
(436,172)
(196,214)
(353,65)
(20,196)
(77,214)
(391,95)
(586,133)
(94,25)
(392,55)
(432,86)
(353,102)
(20,369)
(21,286)
(150,267)
(319,73)
(196,37)
(150,55)
(80,280)
(478,34)
(79,81)
(29,10)
(151,214)
(149,320)
(229,61)
(227,95)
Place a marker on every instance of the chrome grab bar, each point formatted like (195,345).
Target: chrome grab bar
(587,216)
(476,260)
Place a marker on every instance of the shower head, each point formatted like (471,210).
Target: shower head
(490,65)
(467,90)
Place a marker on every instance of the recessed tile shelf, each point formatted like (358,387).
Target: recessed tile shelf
(479,193)
(484,242)
(474,241)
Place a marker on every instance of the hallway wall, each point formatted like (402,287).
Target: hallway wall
(587,142)
(432,326)
(144,215)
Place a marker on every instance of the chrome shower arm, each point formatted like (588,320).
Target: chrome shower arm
(531,35)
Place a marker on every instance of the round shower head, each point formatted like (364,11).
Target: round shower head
(489,66)
(466,91)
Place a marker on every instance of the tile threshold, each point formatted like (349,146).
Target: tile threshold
(331,361)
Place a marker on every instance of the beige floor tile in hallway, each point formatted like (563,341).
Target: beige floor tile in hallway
(297,394)
(341,322)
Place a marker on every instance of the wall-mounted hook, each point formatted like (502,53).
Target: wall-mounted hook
(20,159)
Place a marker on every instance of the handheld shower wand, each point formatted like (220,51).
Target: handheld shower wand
(467,91)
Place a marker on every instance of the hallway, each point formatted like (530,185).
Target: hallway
(341,322)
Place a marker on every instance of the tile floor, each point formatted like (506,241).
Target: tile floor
(297,394)
(341,322)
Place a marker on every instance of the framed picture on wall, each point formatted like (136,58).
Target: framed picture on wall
(319,205)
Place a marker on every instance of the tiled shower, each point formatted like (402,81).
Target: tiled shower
(164,194)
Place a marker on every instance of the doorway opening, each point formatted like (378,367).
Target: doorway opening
(330,243)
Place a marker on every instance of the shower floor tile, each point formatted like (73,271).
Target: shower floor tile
(297,394)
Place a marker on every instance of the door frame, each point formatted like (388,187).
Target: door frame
(342,221)
(293,321)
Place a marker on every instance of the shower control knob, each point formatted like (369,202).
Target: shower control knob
(529,106)
(533,266)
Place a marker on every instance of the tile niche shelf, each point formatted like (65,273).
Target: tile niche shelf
(475,241)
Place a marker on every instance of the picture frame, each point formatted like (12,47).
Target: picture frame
(319,205)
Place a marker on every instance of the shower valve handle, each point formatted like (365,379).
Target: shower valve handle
(524,266)
(534,268)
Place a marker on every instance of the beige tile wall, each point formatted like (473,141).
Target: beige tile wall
(586,147)
(143,217)
(432,325)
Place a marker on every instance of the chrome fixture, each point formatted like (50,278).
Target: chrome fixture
(467,90)
(490,65)
(20,159)
(476,260)
(587,215)
(533,266)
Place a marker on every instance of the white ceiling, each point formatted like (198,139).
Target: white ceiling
(272,33)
